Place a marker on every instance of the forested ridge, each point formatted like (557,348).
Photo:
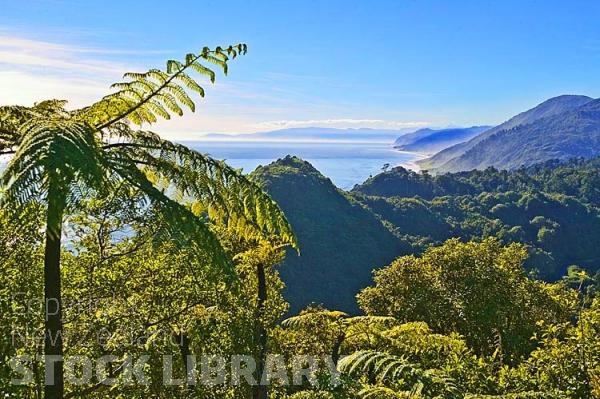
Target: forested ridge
(546,206)
(401,212)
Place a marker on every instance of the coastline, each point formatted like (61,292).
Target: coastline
(412,164)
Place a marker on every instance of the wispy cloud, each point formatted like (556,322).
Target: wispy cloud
(342,123)
(25,89)
(17,52)
(32,70)
(20,43)
(35,70)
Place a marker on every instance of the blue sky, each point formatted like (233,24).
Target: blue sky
(378,63)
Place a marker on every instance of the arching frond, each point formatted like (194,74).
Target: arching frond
(95,146)
(183,226)
(67,147)
(391,369)
(13,117)
(216,190)
(310,318)
(164,89)
(372,320)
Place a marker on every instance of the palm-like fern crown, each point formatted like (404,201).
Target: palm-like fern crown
(354,324)
(410,380)
(97,146)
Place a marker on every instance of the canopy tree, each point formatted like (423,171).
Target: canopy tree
(60,156)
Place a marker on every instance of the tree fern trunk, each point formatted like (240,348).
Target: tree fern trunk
(53,341)
(335,351)
(184,349)
(259,391)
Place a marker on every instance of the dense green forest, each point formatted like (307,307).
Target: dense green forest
(546,206)
(143,269)
(345,235)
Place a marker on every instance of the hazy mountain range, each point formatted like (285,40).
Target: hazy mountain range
(430,141)
(562,127)
(316,134)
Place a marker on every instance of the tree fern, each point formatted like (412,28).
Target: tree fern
(56,153)
(309,318)
(380,392)
(386,369)
(342,325)
(335,316)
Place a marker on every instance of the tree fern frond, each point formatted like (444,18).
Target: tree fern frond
(152,84)
(158,75)
(380,392)
(385,320)
(184,225)
(226,195)
(63,147)
(374,363)
(174,66)
(181,95)
(190,83)
(309,318)
(202,70)
(219,61)
(391,369)
(157,108)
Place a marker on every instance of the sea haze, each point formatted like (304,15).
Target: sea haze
(346,164)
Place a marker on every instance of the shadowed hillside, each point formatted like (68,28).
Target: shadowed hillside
(340,241)
(344,235)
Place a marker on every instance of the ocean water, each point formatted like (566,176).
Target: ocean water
(346,164)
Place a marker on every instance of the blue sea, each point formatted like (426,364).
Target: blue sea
(346,164)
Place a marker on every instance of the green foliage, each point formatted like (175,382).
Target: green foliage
(126,293)
(576,177)
(549,223)
(479,290)
(522,395)
(310,395)
(512,206)
(21,261)
(567,360)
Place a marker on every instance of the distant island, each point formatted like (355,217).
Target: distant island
(314,134)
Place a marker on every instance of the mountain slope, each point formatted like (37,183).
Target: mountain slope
(429,141)
(552,207)
(409,138)
(571,134)
(549,108)
(340,241)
